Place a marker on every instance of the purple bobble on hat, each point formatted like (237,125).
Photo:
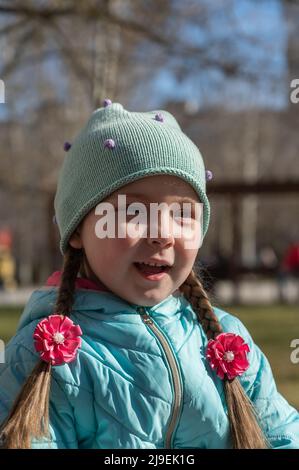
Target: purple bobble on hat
(106,102)
(159,117)
(209,175)
(109,143)
(67,146)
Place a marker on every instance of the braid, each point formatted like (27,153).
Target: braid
(245,430)
(65,298)
(198,298)
(29,415)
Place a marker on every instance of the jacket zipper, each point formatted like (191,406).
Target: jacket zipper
(174,370)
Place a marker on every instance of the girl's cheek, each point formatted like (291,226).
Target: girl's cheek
(132,230)
(190,235)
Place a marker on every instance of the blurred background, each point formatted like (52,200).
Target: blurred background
(228,70)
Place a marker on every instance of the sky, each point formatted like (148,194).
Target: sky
(264,23)
(261,20)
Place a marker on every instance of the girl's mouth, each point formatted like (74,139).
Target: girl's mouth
(152,273)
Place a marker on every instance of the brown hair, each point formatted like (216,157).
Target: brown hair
(245,430)
(29,416)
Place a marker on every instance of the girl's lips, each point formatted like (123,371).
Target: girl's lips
(152,276)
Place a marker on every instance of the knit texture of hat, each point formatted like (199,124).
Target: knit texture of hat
(117,147)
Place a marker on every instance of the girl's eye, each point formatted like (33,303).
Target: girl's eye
(181,214)
(136,212)
(184,214)
(125,210)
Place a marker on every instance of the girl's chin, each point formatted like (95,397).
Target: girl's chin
(146,302)
(150,296)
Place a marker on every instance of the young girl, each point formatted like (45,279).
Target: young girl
(122,348)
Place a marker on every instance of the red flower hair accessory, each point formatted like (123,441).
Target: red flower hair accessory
(227,355)
(57,340)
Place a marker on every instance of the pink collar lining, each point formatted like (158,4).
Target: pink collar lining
(81,283)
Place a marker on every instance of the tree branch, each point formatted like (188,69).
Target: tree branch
(10,65)
(69,54)
(34,13)
(13,26)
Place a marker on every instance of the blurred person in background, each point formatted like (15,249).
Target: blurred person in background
(289,269)
(7,262)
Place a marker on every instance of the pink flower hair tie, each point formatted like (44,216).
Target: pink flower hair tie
(57,340)
(227,355)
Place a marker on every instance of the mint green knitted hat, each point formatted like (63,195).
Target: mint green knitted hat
(117,147)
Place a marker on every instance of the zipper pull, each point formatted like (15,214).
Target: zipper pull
(145,316)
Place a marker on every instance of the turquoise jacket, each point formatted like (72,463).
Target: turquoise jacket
(141,379)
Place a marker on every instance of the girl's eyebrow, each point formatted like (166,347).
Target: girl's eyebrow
(142,196)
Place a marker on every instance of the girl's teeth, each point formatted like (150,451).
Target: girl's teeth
(153,264)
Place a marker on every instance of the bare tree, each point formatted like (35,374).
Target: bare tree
(60,59)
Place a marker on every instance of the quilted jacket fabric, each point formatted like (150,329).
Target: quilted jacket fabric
(120,391)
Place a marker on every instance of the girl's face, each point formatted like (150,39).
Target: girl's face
(111,260)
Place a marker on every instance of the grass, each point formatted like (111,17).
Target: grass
(9,318)
(272,328)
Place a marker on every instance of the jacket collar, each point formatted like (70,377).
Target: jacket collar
(86,284)
(95,301)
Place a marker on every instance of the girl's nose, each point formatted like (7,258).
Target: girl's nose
(162,241)
(161,233)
